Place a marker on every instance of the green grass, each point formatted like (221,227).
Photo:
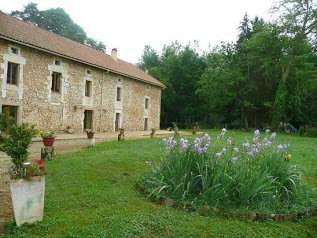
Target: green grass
(91,193)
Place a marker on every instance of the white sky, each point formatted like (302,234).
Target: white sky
(129,25)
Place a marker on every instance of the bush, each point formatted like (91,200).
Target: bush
(4,122)
(224,174)
(16,142)
(311,132)
(302,131)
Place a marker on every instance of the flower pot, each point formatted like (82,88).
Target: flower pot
(48,141)
(28,199)
(90,135)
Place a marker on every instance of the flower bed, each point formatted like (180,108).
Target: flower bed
(253,216)
(256,176)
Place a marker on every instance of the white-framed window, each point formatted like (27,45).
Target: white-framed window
(56,82)
(119,94)
(146,103)
(13,73)
(12,68)
(14,50)
(88,88)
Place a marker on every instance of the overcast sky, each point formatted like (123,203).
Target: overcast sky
(129,25)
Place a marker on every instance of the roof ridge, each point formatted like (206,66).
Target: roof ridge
(50,32)
(34,36)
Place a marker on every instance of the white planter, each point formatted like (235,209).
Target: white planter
(90,142)
(28,199)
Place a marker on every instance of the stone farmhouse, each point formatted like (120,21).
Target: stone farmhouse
(54,82)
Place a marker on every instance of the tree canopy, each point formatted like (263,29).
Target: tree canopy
(58,21)
(268,76)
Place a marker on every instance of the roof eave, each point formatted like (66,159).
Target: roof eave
(80,61)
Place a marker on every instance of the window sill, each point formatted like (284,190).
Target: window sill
(12,85)
(55,92)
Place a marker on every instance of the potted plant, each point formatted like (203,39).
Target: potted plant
(27,181)
(90,133)
(48,137)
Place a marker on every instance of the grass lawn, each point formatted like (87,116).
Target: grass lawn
(91,193)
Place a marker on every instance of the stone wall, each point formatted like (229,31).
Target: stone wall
(38,104)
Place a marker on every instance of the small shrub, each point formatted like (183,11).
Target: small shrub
(225,174)
(15,143)
(311,132)
(302,131)
(4,122)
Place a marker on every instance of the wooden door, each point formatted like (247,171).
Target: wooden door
(88,119)
(117,122)
(146,123)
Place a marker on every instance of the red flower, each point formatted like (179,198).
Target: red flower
(39,162)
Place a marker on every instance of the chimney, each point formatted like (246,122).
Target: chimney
(114,54)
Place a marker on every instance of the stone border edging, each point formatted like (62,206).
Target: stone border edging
(253,216)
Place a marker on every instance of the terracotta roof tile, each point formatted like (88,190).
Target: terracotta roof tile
(33,36)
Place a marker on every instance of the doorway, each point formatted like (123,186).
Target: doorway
(88,119)
(146,123)
(117,122)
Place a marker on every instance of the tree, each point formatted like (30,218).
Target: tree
(269,75)
(149,58)
(58,21)
(223,86)
(179,68)
(245,30)
(246,80)
(30,14)
(97,45)
(261,65)
(298,21)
